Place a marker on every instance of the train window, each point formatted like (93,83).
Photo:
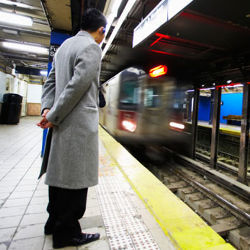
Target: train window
(129,92)
(151,97)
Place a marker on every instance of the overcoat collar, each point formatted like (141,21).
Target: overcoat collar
(85,33)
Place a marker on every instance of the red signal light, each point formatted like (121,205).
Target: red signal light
(158,71)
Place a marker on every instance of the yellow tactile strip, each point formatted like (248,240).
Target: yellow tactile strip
(124,226)
(185,228)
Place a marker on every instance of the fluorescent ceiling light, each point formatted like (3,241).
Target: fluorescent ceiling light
(25,47)
(15,19)
(208,88)
(21,5)
(12,32)
(115,7)
(111,17)
(43,72)
(120,21)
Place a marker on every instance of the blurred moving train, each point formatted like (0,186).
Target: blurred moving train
(147,109)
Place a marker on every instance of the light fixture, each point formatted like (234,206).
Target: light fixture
(207,88)
(43,72)
(229,81)
(12,32)
(130,4)
(15,19)
(17,4)
(26,48)
(158,71)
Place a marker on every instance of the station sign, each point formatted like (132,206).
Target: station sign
(159,16)
(52,50)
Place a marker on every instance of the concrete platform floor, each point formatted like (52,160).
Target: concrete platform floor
(113,209)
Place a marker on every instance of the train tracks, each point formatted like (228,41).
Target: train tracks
(227,214)
(223,157)
(217,197)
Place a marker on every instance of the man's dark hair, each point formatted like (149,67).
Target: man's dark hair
(92,20)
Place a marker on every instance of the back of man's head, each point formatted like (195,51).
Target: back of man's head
(92,20)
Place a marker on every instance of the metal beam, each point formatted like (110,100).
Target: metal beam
(215,128)
(244,136)
(45,10)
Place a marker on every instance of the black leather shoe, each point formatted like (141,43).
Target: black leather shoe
(83,239)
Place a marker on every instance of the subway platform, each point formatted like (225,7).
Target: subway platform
(130,208)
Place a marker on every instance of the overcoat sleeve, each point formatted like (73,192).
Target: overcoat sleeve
(86,68)
(48,94)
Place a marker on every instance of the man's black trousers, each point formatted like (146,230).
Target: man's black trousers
(65,208)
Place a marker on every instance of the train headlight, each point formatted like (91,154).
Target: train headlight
(177,125)
(128,125)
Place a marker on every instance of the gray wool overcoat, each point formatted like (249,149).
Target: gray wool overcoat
(71,94)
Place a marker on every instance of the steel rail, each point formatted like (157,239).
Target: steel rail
(232,185)
(237,212)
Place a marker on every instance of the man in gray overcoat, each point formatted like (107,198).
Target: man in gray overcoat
(70,109)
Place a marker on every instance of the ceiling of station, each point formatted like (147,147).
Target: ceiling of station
(65,15)
(59,14)
(47,15)
(207,41)
(38,34)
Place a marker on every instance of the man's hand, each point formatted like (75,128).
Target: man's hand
(45,112)
(44,123)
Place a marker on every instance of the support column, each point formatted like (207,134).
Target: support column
(211,108)
(195,120)
(56,39)
(244,136)
(215,128)
(189,107)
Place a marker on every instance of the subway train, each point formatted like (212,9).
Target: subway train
(147,109)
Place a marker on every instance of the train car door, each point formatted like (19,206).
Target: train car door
(153,108)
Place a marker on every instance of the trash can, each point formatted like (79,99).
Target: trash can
(11,108)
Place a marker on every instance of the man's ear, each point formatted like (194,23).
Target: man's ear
(102,30)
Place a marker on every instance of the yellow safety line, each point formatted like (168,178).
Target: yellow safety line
(184,227)
(230,131)
(224,130)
